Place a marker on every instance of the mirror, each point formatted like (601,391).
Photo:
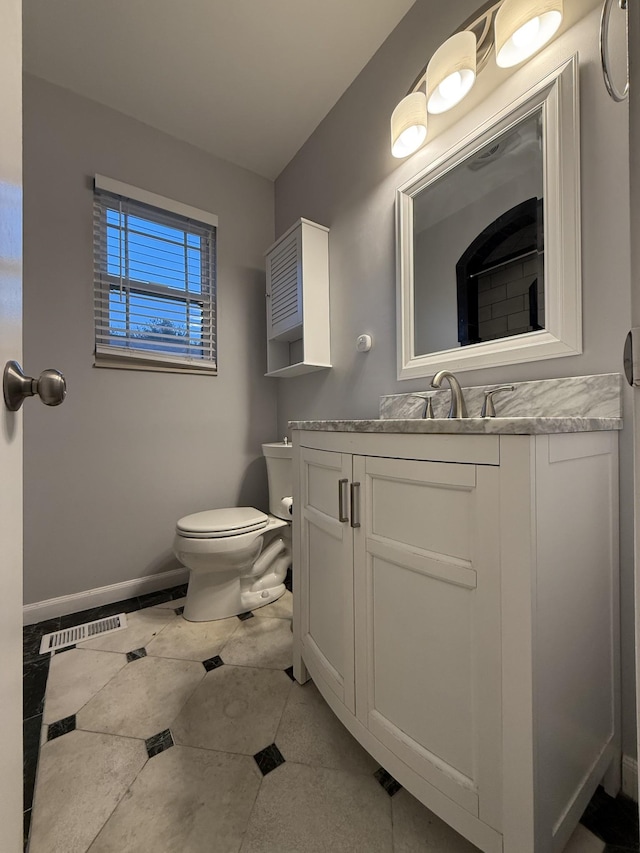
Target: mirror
(488,240)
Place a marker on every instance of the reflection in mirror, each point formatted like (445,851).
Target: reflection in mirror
(479,245)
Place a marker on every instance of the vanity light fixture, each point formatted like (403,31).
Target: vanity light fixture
(523,28)
(409,124)
(451,72)
(515,29)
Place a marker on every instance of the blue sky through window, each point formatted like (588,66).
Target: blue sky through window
(150,253)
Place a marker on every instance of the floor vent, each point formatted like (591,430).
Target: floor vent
(71,636)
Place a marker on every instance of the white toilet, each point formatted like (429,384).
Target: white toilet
(239,556)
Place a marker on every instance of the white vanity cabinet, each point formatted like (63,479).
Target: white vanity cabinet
(455,602)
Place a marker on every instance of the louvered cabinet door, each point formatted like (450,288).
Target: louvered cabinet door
(284,289)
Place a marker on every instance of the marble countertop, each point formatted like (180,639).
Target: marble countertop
(465,426)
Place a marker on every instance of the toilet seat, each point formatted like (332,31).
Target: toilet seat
(219,523)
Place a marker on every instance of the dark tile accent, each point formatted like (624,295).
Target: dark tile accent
(93,613)
(31,748)
(136,654)
(61,727)
(387,781)
(288,581)
(212,663)
(27,827)
(289,672)
(615,821)
(179,591)
(34,683)
(32,634)
(244,616)
(268,759)
(158,743)
(179,611)
(614,848)
(153,598)
(66,649)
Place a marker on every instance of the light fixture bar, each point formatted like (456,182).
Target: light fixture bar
(516,29)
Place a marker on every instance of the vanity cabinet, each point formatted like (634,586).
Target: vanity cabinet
(455,602)
(298,334)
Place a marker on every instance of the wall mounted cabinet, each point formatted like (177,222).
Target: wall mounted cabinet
(298,336)
(456,606)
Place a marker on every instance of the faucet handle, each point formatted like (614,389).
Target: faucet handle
(427,412)
(428,409)
(488,408)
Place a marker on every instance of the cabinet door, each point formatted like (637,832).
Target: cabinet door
(326,572)
(428,622)
(284,288)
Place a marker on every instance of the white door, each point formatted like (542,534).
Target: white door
(634,150)
(11,426)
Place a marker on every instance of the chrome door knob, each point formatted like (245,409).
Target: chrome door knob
(51,386)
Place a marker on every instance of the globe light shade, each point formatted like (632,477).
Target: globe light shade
(409,125)
(522,27)
(451,72)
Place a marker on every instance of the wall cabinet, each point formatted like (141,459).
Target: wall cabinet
(298,339)
(456,605)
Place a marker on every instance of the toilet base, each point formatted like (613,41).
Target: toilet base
(217,595)
(253,600)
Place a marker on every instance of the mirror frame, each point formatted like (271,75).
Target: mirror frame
(558,98)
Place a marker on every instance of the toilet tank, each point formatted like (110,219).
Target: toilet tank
(279,459)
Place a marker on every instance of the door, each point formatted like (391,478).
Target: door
(427,597)
(634,151)
(11,430)
(326,568)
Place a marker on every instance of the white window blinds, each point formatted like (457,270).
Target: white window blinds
(154,283)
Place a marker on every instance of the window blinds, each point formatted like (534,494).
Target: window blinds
(154,284)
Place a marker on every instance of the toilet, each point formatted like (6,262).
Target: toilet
(238,557)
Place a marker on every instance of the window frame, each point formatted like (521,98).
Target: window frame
(108,354)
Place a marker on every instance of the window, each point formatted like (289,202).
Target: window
(154,281)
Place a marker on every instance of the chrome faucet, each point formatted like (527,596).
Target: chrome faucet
(458,408)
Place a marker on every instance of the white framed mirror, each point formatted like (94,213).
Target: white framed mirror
(488,239)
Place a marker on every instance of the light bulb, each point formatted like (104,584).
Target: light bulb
(451,72)
(451,87)
(409,140)
(521,29)
(526,36)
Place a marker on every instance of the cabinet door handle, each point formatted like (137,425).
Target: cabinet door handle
(342,500)
(355,504)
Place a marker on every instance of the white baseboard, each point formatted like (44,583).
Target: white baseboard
(52,607)
(630,777)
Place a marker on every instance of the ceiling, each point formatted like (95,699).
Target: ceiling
(246,80)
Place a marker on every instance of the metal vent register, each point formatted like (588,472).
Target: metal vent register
(71,636)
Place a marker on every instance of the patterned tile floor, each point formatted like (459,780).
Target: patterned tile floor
(193,737)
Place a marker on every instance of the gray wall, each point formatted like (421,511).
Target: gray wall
(108,473)
(345,178)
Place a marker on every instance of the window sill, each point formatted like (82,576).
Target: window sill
(153,366)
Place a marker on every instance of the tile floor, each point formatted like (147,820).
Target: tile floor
(193,738)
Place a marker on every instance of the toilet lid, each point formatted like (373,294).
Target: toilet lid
(231,521)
